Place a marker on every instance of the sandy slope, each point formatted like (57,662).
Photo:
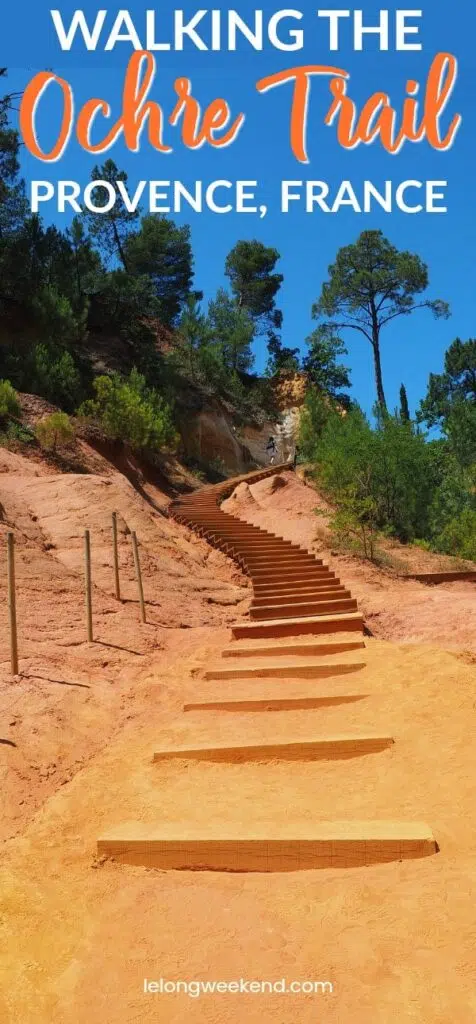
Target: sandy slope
(72,697)
(396,941)
(79,936)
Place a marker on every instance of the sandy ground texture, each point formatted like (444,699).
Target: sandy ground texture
(396,941)
(79,730)
(72,697)
(394,608)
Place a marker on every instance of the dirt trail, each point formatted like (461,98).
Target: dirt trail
(395,940)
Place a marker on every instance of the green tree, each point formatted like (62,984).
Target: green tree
(232,329)
(13,204)
(9,404)
(314,417)
(281,358)
(404,406)
(460,429)
(125,305)
(355,520)
(321,364)
(55,375)
(456,384)
(127,409)
(21,265)
(390,464)
(371,284)
(250,268)
(39,301)
(458,536)
(54,431)
(85,264)
(162,252)
(111,230)
(450,401)
(195,330)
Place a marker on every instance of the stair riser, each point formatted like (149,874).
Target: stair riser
(287,611)
(277,704)
(284,672)
(266,554)
(241,855)
(270,564)
(318,595)
(319,581)
(293,650)
(303,594)
(320,578)
(284,574)
(341,748)
(263,630)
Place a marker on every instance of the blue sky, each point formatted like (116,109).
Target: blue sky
(411,347)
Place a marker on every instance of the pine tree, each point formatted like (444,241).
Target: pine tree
(404,407)
(371,283)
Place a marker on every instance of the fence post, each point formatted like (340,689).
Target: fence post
(12,608)
(115,556)
(135,549)
(87,566)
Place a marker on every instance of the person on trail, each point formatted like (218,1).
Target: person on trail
(271,449)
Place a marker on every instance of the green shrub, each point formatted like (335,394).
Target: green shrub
(314,417)
(54,431)
(128,410)
(423,544)
(459,535)
(18,432)
(55,376)
(390,464)
(9,404)
(354,524)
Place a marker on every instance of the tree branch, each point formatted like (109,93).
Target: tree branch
(353,327)
(404,312)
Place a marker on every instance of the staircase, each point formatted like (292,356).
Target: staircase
(304,628)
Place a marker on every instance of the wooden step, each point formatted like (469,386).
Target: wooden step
(303,609)
(325,592)
(268,544)
(319,579)
(282,668)
(297,702)
(300,626)
(300,648)
(284,554)
(322,580)
(284,846)
(264,553)
(272,575)
(326,748)
(282,561)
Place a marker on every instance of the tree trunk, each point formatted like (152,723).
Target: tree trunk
(377,363)
(119,246)
(378,377)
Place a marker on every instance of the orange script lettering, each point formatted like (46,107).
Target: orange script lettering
(211,126)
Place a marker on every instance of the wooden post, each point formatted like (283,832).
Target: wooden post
(135,549)
(87,566)
(12,607)
(115,552)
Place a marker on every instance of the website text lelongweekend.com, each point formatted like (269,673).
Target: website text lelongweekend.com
(195,989)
